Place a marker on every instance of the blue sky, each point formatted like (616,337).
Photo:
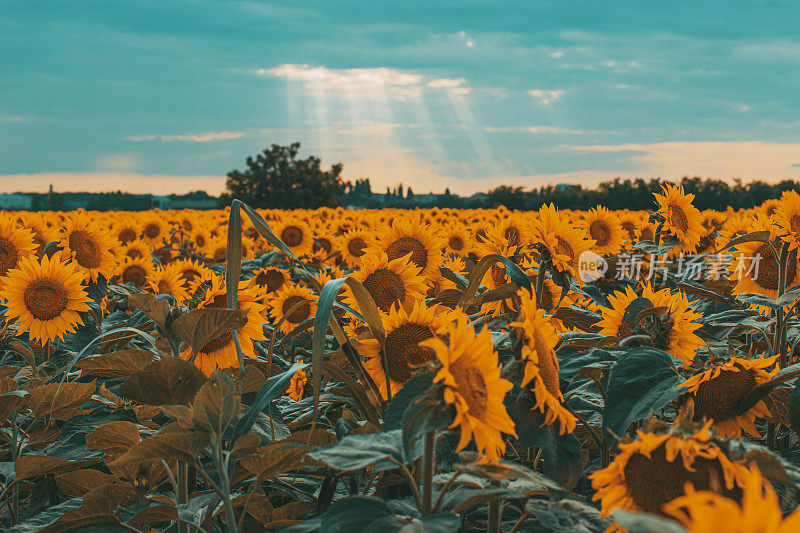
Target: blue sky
(168,96)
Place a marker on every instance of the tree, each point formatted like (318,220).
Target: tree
(277,179)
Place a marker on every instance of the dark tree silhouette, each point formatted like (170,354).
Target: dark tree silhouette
(276,178)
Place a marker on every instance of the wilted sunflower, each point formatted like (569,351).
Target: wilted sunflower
(388,282)
(681,218)
(715,392)
(671,328)
(471,375)
(284,299)
(541,365)
(403,355)
(135,271)
(564,242)
(167,280)
(653,469)
(16,243)
(295,234)
(297,385)
(44,297)
(220,352)
(89,245)
(702,511)
(604,226)
(412,236)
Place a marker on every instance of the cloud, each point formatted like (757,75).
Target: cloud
(111,181)
(13,118)
(115,162)
(537,129)
(446,82)
(546,96)
(196,138)
(347,80)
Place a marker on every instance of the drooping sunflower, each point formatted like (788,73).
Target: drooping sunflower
(703,511)
(565,242)
(681,218)
(89,245)
(16,243)
(411,236)
(471,375)
(604,226)
(296,234)
(284,299)
(168,280)
(388,282)
(653,469)
(297,385)
(786,220)
(353,246)
(541,365)
(220,352)
(671,330)
(715,392)
(45,297)
(402,355)
(135,271)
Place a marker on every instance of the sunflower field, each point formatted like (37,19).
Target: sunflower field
(388,370)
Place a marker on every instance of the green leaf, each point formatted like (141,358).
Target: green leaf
(359,513)
(649,247)
(483,266)
(759,299)
(355,452)
(644,380)
(425,414)
(395,409)
(646,523)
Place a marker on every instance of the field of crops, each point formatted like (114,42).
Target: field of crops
(420,371)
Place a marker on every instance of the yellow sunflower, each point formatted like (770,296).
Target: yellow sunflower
(89,245)
(127,230)
(703,511)
(457,239)
(16,243)
(45,297)
(191,271)
(671,330)
(471,375)
(403,355)
(541,365)
(564,242)
(270,279)
(168,280)
(388,282)
(786,220)
(297,385)
(295,234)
(715,392)
(411,236)
(353,246)
(755,268)
(220,352)
(681,218)
(154,230)
(653,469)
(604,226)
(287,297)
(135,271)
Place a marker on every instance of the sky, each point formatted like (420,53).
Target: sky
(168,96)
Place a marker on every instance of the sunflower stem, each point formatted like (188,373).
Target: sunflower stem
(494,517)
(427,473)
(777,344)
(182,483)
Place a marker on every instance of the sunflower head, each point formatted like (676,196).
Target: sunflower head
(388,281)
(89,245)
(168,280)
(16,242)
(297,385)
(135,271)
(410,237)
(604,226)
(681,218)
(292,305)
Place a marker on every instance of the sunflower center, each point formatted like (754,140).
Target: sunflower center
(356,246)
(272,280)
(403,353)
(127,235)
(187,224)
(498,275)
(456,243)
(471,386)
(298,315)
(190,274)
(45,298)
(324,244)
(647,234)
(164,287)
(9,256)
(678,218)
(402,246)
(200,240)
(563,247)
(219,301)
(629,227)
(134,274)
(768,273)
(716,397)
(220,254)
(292,236)
(134,253)
(654,481)
(152,230)
(386,287)
(87,251)
(547,301)
(600,232)
(512,234)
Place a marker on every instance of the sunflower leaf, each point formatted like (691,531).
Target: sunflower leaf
(649,247)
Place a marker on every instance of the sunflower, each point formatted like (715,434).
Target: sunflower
(786,220)
(539,339)
(564,242)
(89,245)
(135,250)
(604,226)
(284,299)
(42,233)
(295,234)
(127,230)
(44,297)
(671,328)
(388,282)
(411,237)
(199,237)
(190,271)
(135,271)
(16,243)
(653,469)
(353,245)
(270,279)
(402,354)
(715,392)
(168,280)
(702,511)
(756,269)
(457,239)
(297,385)
(154,230)
(220,352)
(681,218)
(470,374)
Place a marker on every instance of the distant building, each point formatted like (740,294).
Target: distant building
(189,201)
(16,202)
